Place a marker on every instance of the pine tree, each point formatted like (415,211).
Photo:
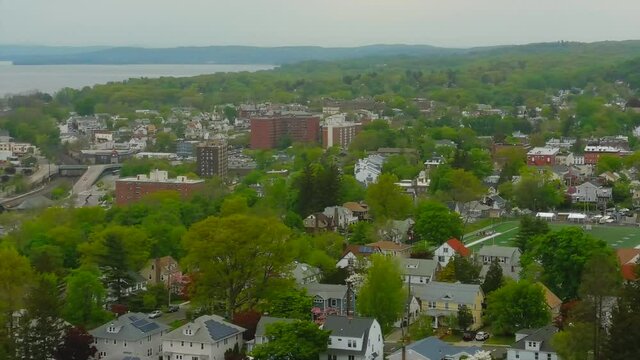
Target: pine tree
(113,263)
(530,227)
(494,279)
(622,342)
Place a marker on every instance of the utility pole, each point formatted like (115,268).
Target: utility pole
(405,337)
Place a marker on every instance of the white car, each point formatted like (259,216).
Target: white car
(482,336)
(155,314)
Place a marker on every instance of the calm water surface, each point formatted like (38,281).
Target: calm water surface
(17,79)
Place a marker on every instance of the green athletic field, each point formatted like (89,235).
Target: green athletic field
(616,236)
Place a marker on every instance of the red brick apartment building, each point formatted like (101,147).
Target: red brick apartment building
(592,153)
(267,132)
(541,156)
(130,190)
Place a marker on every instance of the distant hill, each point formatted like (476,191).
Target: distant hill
(210,54)
(42,55)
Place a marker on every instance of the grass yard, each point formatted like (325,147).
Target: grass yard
(615,235)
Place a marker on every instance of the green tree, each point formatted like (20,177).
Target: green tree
(611,163)
(289,304)
(575,341)
(493,280)
(517,305)
(622,342)
(41,329)
(300,340)
(563,254)
(436,224)
(85,296)
(421,328)
(530,227)
(218,253)
(361,233)
(465,318)
(464,269)
(538,192)
(15,276)
(386,200)
(382,295)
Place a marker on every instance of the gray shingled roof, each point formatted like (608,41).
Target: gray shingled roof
(327,291)
(543,334)
(205,329)
(436,291)
(348,327)
(261,328)
(130,327)
(434,349)
(496,250)
(419,267)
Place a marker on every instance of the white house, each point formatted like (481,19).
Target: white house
(357,256)
(367,170)
(590,193)
(342,217)
(533,344)
(448,250)
(205,338)
(507,257)
(131,335)
(419,271)
(353,339)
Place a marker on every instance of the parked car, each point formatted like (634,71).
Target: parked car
(155,314)
(173,308)
(468,335)
(482,336)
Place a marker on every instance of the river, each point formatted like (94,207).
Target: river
(18,79)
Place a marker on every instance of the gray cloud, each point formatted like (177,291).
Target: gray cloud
(314,22)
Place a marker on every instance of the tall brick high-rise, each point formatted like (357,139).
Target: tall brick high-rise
(270,132)
(211,159)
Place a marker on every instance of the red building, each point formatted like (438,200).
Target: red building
(339,135)
(270,132)
(542,156)
(130,190)
(592,153)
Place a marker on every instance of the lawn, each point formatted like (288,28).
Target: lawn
(615,235)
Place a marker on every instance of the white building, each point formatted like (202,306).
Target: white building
(368,169)
(533,344)
(448,250)
(131,335)
(205,338)
(341,216)
(353,339)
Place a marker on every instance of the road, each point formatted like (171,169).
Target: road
(181,314)
(45,169)
(89,178)
(92,196)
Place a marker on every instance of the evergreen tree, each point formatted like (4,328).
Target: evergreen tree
(465,317)
(493,279)
(85,298)
(41,329)
(113,263)
(466,271)
(530,227)
(622,342)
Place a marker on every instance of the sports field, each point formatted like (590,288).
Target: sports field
(505,232)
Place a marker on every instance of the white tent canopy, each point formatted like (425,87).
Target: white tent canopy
(546,216)
(577,216)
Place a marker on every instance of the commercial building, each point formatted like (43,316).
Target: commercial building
(270,132)
(129,190)
(212,159)
(339,134)
(592,153)
(542,156)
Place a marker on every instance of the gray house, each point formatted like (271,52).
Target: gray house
(330,299)
(532,344)
(132,335)
(305,273)
(205,338)
(508,258)
(353,339)
(419,271)
(432,348)
(261,330)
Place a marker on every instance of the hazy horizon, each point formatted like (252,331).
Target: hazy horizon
(327,23)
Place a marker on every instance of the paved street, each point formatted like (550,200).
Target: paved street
(181,314)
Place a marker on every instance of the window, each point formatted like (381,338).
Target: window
(202,346)
(181,343)
(329,342)
(535,356)
(548,356)
(190,344)
(194,358)
(125,344)
(517,355)
(445,250)
(441,258)
(225,341)
(115,342)
(446,305)
(351,357)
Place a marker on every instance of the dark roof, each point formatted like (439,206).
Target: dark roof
(434,349)
(347,327)
(261,328)
(543,335)
(218,330)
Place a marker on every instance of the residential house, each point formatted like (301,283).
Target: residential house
(205,338)
(164,270)
(132,335)
(533,344)
(508,258)
(357,256)
(305,273)
(353,339)
(590,193)
(411,312)
(137,283)
(359,210)
(542,156)
(554,303)
(331,299)
(441,300)
(419,271)
(432,348)
(400,231)
(392,248)
(341,216)
(628,258)
(317,222)
(261,330)
(449,249)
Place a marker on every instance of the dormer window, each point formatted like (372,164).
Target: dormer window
(188,331)
(112,329)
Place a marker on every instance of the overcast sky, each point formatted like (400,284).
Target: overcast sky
(453,23)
